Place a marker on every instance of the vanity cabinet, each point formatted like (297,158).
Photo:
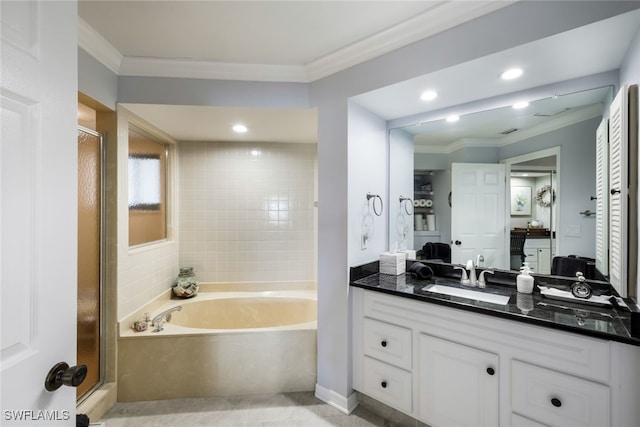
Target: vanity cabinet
(539,253)
(451,367)
(457,384)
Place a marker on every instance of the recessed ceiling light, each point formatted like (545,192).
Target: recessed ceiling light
(239,128)
(429,95)
(452,119)
(512,73)
(519,105)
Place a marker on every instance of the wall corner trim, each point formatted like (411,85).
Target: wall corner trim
(345,404)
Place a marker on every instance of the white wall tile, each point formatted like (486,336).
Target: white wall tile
(246,217)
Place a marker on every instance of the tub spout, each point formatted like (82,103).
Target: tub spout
(165,316)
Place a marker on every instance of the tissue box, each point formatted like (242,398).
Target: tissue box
(393,263)
(411,254)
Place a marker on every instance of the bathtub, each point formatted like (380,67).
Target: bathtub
(231,339)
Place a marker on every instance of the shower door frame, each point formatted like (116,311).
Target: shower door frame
(102,271)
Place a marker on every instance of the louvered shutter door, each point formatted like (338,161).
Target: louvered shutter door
(602,197)
(618,201)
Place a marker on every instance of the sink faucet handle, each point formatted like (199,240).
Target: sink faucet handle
(482,282)
(463,276)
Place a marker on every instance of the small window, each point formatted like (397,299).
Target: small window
(147,189)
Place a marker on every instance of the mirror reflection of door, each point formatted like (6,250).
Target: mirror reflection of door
(478,214)
(534,183)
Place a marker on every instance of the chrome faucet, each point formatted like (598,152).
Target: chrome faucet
(473,281)
(163,317)
(463,275)
(479,259)
(482,281)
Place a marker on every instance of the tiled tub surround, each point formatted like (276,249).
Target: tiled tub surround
(246,210)
(276,356)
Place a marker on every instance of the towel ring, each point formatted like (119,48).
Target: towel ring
(406,201)
(374,197)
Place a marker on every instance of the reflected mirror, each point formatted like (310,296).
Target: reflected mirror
(546,209)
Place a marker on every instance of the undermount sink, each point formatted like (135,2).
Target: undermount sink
(468,293)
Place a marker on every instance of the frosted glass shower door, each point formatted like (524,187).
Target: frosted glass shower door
(89,256)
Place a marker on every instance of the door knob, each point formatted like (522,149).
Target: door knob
(61,374)
(614,191)
(458,242)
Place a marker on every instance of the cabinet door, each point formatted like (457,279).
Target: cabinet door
(544,261)
(458,385)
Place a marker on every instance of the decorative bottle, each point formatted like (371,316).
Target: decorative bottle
(186,284)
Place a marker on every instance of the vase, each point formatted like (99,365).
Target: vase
(186,284)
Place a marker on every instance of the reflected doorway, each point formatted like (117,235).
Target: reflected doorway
(533,201)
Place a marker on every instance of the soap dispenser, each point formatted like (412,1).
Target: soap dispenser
(524,280)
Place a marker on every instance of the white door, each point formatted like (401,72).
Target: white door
(38,168)
(458,385)
(478,214)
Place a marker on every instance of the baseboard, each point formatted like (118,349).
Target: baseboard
(343,404)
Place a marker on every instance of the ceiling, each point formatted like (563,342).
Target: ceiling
(289,41)
(262,40)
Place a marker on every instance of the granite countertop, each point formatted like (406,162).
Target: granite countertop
(600,321)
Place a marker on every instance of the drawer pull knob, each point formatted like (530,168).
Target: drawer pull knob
(556,402)
(383,343)
(383,384)
(490,370)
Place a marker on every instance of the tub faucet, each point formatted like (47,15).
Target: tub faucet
(165,316)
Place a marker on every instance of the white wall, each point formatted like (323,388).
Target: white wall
(246,211)
(145,271)
(401,225)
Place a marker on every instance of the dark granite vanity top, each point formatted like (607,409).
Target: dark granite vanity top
(600,321)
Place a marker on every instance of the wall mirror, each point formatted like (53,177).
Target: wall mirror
(547,150)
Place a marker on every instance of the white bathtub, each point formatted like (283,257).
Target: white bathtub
(221,344)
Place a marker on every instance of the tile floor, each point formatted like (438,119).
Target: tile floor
(275,410)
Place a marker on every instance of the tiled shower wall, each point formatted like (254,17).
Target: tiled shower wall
(246,211)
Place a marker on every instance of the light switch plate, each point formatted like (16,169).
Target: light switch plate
(572,231)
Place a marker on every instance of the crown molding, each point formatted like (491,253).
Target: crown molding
(159,67)
(98,47)
(440,17)
(567,119)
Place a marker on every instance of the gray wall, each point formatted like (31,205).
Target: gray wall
(97,81)
(577,181)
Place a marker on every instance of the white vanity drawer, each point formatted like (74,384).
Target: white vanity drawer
(518,421)
(556,399)
(388,384)
(387,342)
